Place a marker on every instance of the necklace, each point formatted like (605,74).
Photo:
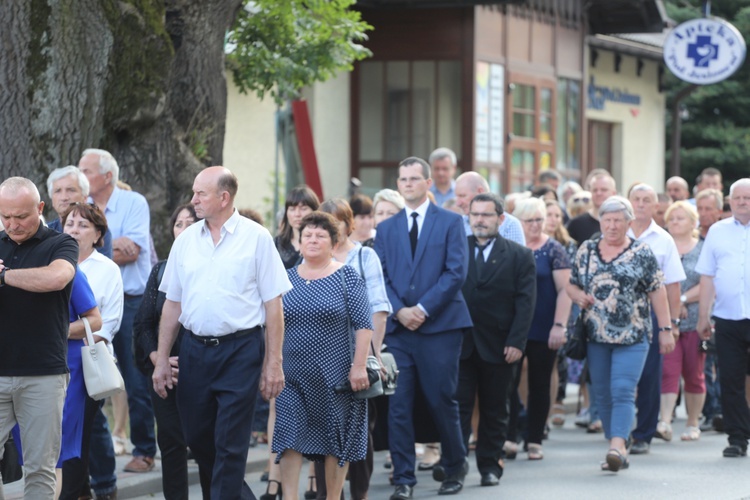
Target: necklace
(318,274)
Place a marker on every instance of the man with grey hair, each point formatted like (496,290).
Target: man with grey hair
(677,188)
(66,186)
(602,186)
(470,184)
(725,279)
(443,165)
(129,220)
(37,266)
(549,176)
(644,200)
(709,203)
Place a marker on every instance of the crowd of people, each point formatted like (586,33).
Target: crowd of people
(474,296)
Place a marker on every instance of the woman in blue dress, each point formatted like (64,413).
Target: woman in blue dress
(327,305)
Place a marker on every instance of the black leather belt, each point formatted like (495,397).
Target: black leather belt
(214,341)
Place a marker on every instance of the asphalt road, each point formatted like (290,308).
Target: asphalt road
(570,470)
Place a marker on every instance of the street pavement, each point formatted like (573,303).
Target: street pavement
(570,470)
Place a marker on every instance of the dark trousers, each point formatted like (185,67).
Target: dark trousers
(430,360)
(360,472)
(75,471)
(139,403)
(732,344)
(541,361)
(648,399)
(216,400)
(102,457)
(174,474)
(490,382)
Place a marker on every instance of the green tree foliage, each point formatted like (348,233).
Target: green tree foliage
(716,124)
(279,47)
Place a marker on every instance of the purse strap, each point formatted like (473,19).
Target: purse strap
(349,318)
(89,335)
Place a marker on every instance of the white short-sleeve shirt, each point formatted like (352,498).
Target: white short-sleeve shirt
(726,257)
(221,288)
(665,250)
(106,283)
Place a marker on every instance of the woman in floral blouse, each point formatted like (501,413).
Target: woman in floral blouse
(617,280)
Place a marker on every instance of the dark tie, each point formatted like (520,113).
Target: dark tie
(480,258)
(414,233)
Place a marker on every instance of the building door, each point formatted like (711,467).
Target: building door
(531,141)
(600,145)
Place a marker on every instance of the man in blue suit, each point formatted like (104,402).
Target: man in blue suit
(424,256)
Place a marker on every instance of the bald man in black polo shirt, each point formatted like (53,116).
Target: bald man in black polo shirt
(37,266)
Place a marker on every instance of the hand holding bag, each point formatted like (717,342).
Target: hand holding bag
(100,372)
(577,341)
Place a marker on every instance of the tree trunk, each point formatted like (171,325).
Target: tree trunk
(143,79)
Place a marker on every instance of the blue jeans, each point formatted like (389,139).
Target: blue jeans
(615,371)
(139,402)
(712,406)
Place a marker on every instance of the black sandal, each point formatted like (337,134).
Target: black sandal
(734,451)
(311,494)
(615,461)
(271,496)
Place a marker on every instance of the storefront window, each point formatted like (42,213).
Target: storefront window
(568,146)
(404,108)
(521,170)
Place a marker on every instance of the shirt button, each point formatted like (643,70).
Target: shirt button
(411,286)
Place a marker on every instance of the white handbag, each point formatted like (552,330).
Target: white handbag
(100,372)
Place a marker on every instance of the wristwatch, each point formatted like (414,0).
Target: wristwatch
(2,276)
(676,322)
(683,298)
(665,329)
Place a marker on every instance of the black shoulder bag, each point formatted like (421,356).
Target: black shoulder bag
(576,343)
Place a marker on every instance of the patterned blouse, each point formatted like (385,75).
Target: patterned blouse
(621,313)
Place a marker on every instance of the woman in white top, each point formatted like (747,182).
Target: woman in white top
(87,225)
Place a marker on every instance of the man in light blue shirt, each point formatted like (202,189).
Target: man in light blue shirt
(443,165)
(128,218)
(724,265)
(470,184)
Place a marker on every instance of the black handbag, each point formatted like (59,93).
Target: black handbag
(9,466)
(577,341)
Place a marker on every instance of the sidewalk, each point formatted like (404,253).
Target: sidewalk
(131,485)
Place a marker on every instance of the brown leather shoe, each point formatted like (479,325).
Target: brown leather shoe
(140,464)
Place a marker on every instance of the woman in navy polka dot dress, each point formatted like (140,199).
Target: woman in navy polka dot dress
(311,420)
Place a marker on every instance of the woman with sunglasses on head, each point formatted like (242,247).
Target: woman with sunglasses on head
(551,312)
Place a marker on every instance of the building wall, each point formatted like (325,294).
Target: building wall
(638,132)
(251,136)
(249,147)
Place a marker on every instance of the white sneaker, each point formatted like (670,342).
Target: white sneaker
(583,419)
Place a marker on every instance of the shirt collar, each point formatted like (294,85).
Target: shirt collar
(230,226)
(652,228)
(740,224)
(113,199)
(421,209)
(37,236)
(450,190)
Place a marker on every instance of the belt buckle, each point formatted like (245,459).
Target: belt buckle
(213,342)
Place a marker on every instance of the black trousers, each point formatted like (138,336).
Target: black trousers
(732,344)
(171,440)
(490,382)
(75,471)
(216,400)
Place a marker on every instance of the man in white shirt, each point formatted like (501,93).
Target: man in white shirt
(470,184)
(224,280)
(644,200)
(724,265)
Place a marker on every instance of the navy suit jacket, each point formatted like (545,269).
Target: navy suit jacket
(434,276)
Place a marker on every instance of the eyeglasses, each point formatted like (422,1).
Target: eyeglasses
(584,199)
(538,220)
